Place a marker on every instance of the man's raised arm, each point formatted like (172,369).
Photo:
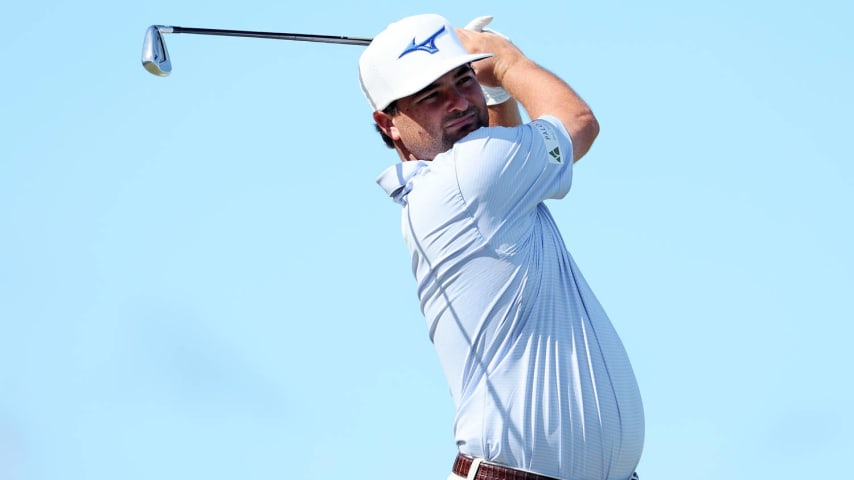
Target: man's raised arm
(538,90)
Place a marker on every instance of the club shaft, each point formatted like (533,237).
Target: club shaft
(303,37)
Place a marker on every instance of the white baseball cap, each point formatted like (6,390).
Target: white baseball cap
(409,55)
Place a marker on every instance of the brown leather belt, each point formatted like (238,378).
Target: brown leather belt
(491,471)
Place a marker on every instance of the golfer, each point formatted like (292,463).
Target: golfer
(542,385)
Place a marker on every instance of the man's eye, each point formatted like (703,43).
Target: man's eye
(466,80)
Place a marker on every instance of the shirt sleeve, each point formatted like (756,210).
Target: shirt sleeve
(504,173)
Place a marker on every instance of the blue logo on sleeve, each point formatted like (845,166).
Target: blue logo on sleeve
(428,45)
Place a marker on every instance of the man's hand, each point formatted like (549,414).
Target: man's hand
(502,107)
(490,70)
(494,95)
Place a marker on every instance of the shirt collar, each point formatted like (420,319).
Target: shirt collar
(395,180)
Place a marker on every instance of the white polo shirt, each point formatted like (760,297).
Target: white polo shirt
(539,377)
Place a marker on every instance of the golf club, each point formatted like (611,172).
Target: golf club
(155,57)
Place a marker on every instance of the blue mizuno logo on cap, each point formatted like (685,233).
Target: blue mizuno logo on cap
(428,45)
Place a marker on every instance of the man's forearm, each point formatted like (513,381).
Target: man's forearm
(539,91)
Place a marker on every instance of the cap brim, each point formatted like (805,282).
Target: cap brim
(436,71)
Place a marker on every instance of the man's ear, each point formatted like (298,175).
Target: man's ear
(386,124)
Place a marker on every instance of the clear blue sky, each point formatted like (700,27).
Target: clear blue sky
(199,277)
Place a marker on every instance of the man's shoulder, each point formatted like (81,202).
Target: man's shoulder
(545,125)
(483,133)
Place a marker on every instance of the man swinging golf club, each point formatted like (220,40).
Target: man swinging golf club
(542,385)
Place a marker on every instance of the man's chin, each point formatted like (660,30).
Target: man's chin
(452,138)
(462,130)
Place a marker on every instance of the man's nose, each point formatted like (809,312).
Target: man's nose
(457,100)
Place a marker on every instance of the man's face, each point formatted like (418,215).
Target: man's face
(432,120)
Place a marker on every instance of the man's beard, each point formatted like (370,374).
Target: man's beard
(481,119)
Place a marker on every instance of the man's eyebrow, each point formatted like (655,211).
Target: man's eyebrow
(464,69)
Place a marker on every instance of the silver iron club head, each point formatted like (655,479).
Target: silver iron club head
(155,57)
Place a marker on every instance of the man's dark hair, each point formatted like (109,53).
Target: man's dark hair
(392,110)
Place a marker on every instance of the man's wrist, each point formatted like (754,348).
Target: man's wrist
(495,95)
